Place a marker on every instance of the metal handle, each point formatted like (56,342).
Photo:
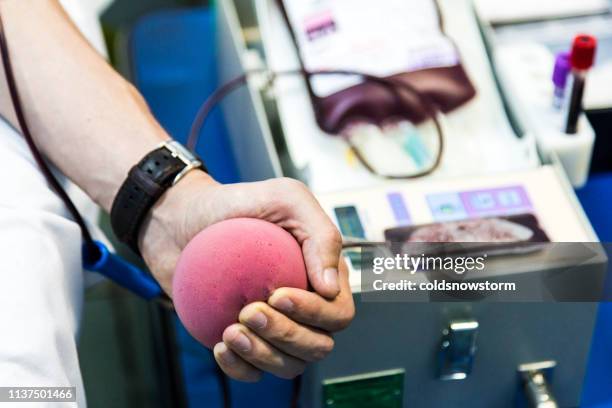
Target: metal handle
(457,350)
(535,384)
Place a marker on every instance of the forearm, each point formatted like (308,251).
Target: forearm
(85,118)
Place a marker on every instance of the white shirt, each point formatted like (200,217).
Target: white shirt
(42,281)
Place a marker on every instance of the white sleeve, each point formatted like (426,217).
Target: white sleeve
(85,14)
(41,287)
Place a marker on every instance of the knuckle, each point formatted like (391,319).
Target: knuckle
(287,333)
(279,202)
(287,183)
(351,309)
(260,359)
(329,345)
(332,237)
(345,317)
(314,314)
(323,349)
(263,357)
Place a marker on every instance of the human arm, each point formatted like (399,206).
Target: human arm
(94,126)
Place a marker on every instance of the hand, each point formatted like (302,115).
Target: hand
(291,335)
(293,328)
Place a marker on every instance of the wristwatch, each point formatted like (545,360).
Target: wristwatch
(146,182)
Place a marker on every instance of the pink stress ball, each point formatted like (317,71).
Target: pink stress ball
(229,265)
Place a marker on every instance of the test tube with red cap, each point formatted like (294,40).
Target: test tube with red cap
(582,59)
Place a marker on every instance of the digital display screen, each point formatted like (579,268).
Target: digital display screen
(349,222)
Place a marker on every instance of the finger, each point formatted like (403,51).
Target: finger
(313,310)
(305,343)
(234,366)
(322,247)
(319,253)
(261,354)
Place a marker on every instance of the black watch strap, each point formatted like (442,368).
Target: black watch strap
(146,183)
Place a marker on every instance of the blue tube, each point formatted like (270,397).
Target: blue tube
(121,272)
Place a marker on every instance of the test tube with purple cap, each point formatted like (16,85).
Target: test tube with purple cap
(560,77)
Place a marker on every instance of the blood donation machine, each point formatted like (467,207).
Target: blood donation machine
(499,162)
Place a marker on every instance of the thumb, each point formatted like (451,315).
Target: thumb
(322,255)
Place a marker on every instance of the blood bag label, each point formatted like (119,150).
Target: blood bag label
(383,37)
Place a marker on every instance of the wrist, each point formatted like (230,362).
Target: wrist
(145,185)
(167,223)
